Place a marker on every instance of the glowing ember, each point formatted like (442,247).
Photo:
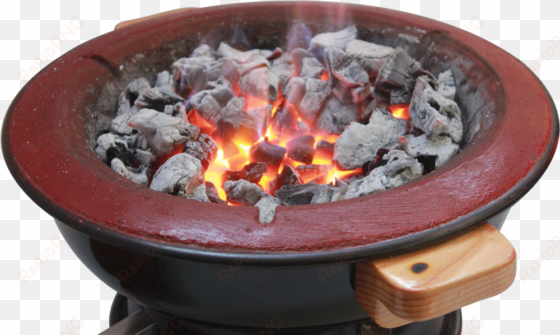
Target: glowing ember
(400,111)
(215,170)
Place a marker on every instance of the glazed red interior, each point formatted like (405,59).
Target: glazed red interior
(54,121)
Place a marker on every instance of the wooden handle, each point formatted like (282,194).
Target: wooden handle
(437,280)
(129,22)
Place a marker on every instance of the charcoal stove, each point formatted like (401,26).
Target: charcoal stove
(406,258)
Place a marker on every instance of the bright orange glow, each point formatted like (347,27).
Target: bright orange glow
(215,170)
(251,102)
(335,173)
(400,111)
(325,76)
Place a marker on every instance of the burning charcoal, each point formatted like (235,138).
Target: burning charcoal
(204,149)
(252,173)
(288,177)
(261,83)
(271,154)
(345,69)
(285,121)
(240,56)
(217,102)
(335,116)
(324,149)
(397,78)
(440,147)
(303,126)
(104,142)
(311,68)
(308,95)
(136,141)
(135,89)
(302,149)
(396,142)
(283,67)
(434,114)
(179,175)
(359,143)
(164,78)
(446,85)
(267,208)
(223,67)
(242,192)
(312,171)
(164,133)
(240,126)
(203,50)
(291,195)
(156,98)
(400,169)
(373,105)
(370,56)
(120,125)
(254,62)
(192,79)
(323,194)
(144,157)
(139,176)
(212,194)
(120,151)
(339,39)
(339,191)
(276,53)
(199,194)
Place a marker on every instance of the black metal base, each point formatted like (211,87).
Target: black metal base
(137,320)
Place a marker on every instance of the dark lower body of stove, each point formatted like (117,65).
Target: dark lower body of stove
(129,318)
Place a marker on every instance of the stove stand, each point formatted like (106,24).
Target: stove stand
(129,318)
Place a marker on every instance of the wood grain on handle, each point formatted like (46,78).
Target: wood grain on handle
(129,22)
(437,280)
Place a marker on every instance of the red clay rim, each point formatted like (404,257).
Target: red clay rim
(69,182)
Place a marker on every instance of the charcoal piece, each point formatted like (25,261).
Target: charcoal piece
(120,151)
(225,50)
(199,194)
(359,143)
(136,141)
(288,177)
(291,195)
(339,39)
(313,171)
(212,194)
(262,84)
(261,117)
(230,148)
(284,68)
(302,149)
(179,175)
(157,98)
(203,148)
(223,67)
(285,121)
(103,143)
(339,191)
(311,68)
(251,172)
(353,95)
(344,69)
(441,148)
(168,110)
(242,192)
(303,126)
(191,80)
(396,142)
(267,208)
(373,105)
(183,63)
(370,56)
(324,149)
(446,85)
(400,169)
(203,50)
(335,116)
(144,157)
(139,176)
(254,62)
(276,53)
(119,124)
(294,90)
(240,126)
(271,154)
(434,114)
(323,194)
(217,102)
(133,90)
(376,162)
(164,133)
(397,78)
(316,94)
(164,78)
(299,37)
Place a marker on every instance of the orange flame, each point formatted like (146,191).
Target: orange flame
(400,111)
